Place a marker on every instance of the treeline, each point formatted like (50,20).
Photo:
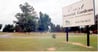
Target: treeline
(54,28)
(29,21)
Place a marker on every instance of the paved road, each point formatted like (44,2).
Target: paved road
(9,35)
(6,35)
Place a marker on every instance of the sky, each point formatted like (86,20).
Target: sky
(8,9)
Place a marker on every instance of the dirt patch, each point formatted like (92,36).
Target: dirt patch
(78,44)
(51,49)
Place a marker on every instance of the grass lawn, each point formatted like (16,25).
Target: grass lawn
(44,41)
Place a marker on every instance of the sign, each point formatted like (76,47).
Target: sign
(79,13)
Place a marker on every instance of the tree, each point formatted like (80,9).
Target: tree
(75,29)
(94,27)
(58,29)
(8,28)
(0,26)
(52,27)
(27,19)
(44,22)
(18,28)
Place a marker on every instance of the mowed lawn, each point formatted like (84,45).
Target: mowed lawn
(45,42)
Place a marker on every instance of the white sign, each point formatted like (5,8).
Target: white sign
(78,14)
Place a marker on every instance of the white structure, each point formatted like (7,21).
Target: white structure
(79,14)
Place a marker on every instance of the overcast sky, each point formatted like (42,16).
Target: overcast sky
(8,9)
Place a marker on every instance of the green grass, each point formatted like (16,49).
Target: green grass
(43,41)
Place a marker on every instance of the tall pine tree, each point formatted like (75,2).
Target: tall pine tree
(27,19)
